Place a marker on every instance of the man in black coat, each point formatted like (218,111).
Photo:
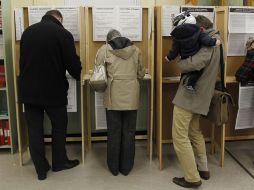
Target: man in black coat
(46,51)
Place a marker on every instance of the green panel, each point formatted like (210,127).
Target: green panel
(234,2)
(74,119)
(142,117)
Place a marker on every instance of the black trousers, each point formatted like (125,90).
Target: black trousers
(121,140)
(58,116)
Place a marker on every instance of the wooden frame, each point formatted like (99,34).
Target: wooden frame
(146,46)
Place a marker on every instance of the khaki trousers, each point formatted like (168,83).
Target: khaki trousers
(188,142)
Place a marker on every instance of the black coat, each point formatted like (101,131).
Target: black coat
(47,50)
(187,40)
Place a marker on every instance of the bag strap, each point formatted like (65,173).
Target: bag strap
(222,69)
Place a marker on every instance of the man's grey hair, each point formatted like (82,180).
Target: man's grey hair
(113,34)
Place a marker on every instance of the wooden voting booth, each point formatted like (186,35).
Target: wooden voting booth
(75,119)
(145,112)
(167,81)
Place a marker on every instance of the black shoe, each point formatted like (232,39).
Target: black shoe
(68,165)
(204,174)
(43,175)
(181,182)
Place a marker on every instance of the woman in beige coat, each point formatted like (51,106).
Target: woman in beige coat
(124,69)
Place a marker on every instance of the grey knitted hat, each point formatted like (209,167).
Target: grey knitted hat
(113,34)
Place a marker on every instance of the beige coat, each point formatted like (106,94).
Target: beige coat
(209,59)
(124,69)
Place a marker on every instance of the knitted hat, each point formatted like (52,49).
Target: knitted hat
(249,42)
(113,34)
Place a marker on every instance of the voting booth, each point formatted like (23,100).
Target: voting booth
(135,23)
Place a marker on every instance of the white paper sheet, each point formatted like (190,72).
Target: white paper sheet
(100,112)
(104,19)
(236,44)
(72,95)
(245,113)
(168,14)
(19,22)
(128,20)
(35,13)
(241,20)
(71,20)
(150,22)
(207,11)
(70,17)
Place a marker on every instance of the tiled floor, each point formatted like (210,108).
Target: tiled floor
(94,174)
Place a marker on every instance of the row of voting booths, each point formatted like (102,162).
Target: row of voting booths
(89,26)
(149,28)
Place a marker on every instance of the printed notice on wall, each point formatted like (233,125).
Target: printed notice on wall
(19,22)
(207,11)
(168,14)
(245,112)
(72,95)
(236,44)
(100,112)
(70,17)
(128,20)
(241,20)
(104,19)
(71,20)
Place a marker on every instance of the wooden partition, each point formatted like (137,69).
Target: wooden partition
(146,46)
(167,81)
(75,119)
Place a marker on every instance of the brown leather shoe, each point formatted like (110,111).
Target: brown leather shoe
(181,182)
(204,174)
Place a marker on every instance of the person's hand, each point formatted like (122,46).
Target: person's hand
(218,42)
(166,58)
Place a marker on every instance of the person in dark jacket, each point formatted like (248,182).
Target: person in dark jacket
(47,51)
(187,41)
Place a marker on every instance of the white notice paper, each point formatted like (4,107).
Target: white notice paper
(236,44)
(207,11)
(245,113)
(241,20)
(100,112)
(70,17)
(72,95)
(104,19)
(35,13)
(19,22)
(71,20)
(128,20)
(168,14)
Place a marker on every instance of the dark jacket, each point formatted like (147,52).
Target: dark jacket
(187,40)
(246,71)
(47,50)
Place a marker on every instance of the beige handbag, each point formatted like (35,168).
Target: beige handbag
(98,80)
